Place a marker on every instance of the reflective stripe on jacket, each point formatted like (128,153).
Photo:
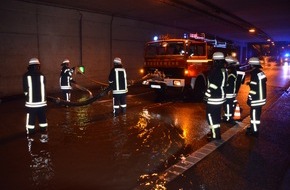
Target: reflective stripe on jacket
(34,89)
(118,80)
(258,92)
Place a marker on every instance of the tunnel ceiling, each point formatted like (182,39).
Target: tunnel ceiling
(227,19)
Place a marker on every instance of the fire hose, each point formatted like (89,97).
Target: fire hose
(81,103)
(92,98)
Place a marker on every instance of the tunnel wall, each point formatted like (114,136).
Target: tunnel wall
(52,34)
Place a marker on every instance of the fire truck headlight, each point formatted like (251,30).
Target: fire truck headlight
(185,72)
(141,71)
(177,83)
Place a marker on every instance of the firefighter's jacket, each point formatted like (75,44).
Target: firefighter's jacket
(66,79)
(258,92)
(118,80)
(34,88)
(231,83)
(217,79)
(240,79)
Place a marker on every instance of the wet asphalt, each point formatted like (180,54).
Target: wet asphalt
(246,162)
(88,148)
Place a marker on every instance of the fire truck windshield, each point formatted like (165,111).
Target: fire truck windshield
(165,48)
(175,48)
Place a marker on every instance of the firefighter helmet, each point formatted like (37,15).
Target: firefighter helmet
(218,56)
(117,61)
(34,61)
(66,61)
(231,60)
(254,61)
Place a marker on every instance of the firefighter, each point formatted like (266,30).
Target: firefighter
(34,91)
(230,104)
(66,80)
(240,77)
(215,95)
(240,80)
(257,95)
(118,84)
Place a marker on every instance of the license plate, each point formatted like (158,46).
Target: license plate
(155,86)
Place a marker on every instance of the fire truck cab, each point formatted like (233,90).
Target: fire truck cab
(178,63)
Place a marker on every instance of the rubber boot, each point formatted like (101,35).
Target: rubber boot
(124,111)
(116,112)
(216,134)
(250,131)
(31,131)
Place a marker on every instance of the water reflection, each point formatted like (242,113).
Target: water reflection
(76,121)
(41,166)
(191,122)
(144,119)
(152,182)
(82,120)
(161,140)
(147,132)
(119,138)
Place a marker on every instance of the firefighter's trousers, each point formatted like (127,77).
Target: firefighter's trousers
(119,102)
(32,114)
(255,117)
(229,108)
(66,95)
(213,116)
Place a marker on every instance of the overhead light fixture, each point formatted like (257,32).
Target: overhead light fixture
(252,30)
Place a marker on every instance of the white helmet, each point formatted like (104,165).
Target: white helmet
(218,56)
(232,60)
(34,61)
(118,61)
(66,61)
(254,61)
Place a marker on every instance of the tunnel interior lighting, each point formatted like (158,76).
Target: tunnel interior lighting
(252,30)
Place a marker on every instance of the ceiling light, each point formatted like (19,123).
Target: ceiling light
(252,30)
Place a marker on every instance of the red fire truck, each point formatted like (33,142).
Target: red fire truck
(180,63)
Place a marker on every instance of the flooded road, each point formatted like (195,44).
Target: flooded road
(88,148)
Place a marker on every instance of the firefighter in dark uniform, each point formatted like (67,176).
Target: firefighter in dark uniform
(229,105)
(240,80)
(257,95)
(34,90)
(240,77)
(215,95)
(118,84)
(66,79)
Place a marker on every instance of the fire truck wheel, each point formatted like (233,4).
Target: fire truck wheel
(199,90)
(187,93)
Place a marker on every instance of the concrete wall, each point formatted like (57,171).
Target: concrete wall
(53,34)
